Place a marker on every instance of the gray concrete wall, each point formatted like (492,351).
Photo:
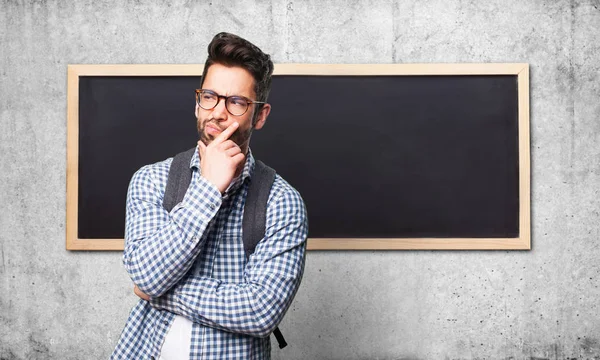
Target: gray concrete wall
(542,303)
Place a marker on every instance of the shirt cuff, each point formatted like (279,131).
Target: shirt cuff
(200,204)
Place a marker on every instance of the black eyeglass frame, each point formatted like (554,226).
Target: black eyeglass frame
(219,97)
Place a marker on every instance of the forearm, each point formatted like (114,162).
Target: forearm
(249,309)
(160,247)
(254,307)
(159,261)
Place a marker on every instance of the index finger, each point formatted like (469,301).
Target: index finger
(227,132)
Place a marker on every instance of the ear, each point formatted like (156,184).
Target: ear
(197,111)
(262,116)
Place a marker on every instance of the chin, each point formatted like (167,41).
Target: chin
(207,138)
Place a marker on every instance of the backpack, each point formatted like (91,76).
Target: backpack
(255,209)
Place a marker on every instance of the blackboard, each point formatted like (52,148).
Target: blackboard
(413,159)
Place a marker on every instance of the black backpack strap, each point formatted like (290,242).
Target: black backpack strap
(279,337)
(255,216)
(180,176)
(255,209)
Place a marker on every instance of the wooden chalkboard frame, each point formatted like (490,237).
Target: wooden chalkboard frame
(523,242)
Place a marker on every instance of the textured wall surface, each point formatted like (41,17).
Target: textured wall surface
(542,304)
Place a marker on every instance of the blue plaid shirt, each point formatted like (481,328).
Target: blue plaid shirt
(191,262)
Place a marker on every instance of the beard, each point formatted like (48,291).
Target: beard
(239,136)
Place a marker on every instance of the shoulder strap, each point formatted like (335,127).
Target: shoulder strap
(255,209)
(180,176)
(255,217)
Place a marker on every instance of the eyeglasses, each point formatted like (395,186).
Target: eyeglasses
(236,105)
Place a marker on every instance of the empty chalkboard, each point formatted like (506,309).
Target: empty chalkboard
(385,157)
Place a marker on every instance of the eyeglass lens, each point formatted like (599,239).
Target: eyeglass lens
(235,105)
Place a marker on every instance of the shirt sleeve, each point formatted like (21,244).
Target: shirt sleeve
(160,247)
(271,279)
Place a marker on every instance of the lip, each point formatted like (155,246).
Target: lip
(211,129)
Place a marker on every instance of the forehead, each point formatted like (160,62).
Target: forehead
(229,80)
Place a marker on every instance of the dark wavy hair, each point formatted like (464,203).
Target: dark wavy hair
(231,50)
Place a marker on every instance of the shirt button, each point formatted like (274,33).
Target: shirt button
(165,322)
(151,357)
(212,206)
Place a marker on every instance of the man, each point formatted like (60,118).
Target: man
(201,298)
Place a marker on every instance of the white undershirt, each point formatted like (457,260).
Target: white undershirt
(179,336)
(178,340)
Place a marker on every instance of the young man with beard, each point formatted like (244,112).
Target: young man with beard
(201,297)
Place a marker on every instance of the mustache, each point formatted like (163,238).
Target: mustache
(213,124)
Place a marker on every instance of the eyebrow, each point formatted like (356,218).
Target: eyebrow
(238,95)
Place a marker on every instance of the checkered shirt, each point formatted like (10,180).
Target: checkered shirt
(191,262)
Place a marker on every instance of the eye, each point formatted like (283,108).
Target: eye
(207,96)
(237,101)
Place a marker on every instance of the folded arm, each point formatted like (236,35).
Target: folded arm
(271,278)
(160,247)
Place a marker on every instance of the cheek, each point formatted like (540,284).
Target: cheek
(245,127)
(242,134)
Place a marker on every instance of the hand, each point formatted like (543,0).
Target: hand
(142,295)
(221,158)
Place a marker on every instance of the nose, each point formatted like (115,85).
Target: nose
(219,112)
